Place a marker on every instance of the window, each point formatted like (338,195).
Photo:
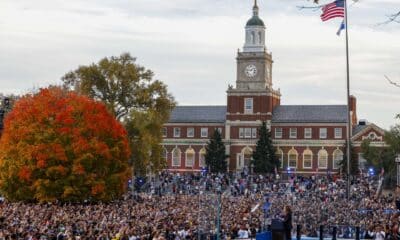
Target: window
(241,133)
(323,159)
(176,157)
(164,155)
(189,157)
(254,132)
(259,37)
(190,132)
(338,133)
(279,155)
(164,132)
(278,132)
(307,158)
(177,132)
(292,158)
(202,157)
(204,132)
(307,132)
(323,132)
(337,158)
(293,133)
(248,105)
(247,132)
(253,37)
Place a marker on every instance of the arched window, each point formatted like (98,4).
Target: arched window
(279,155)
(307,158)
(323,159)
(292,158)
(337,158)
(176,157)
(189,157)
(164,155)
(202,157)
(259,37)
(253,37)
(247,155)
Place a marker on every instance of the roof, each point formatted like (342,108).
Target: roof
(198,114)
(357,129)
(255,21)
(310,114)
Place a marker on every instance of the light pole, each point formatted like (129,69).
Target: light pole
(398,170)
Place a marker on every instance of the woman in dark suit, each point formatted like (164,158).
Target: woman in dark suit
(287,222)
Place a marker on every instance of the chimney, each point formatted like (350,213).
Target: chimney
(353,110)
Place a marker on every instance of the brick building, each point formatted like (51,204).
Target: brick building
(308,138)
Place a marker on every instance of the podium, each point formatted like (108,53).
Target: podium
(264,236)
(277,229)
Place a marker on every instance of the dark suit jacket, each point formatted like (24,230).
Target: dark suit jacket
(287,221)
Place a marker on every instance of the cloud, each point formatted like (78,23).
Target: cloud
(191,45)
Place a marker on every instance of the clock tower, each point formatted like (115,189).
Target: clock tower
(254,63)
(253,98)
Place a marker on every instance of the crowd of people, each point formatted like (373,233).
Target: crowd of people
(175,206)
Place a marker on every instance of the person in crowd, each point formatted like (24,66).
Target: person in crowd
(185,206)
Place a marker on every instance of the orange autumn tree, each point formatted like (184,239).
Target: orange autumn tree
(58,145)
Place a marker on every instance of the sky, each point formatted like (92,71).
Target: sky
(191,45)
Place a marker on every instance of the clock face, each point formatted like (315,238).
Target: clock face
(250,71)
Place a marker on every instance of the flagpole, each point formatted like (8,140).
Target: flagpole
(348,145)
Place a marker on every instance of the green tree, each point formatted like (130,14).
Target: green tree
(129,91)
(264,158)
(215,154)
(354,166)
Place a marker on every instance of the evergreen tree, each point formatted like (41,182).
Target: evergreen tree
(354,167)
(264,158)
(215,156)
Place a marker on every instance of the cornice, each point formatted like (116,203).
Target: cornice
(309,143)
(195,124)
(275,124)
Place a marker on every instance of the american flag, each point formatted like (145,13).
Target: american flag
(333,10)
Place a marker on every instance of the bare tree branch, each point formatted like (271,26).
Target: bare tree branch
(392,82)
(391,18)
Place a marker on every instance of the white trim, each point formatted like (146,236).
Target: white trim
(187,132)
(180,157)
(180,132)
(340,152)
(339,136)
(369,126)
(201,132)
(290,133)
(320,133)
(297,158)
(319,158)
(312,156)
(275,124)
(202,151)
(186,157)
(195,124)
(307,136)
(281,131)
(250,110)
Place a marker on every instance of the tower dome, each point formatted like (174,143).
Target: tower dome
(255,20)
(255,33)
